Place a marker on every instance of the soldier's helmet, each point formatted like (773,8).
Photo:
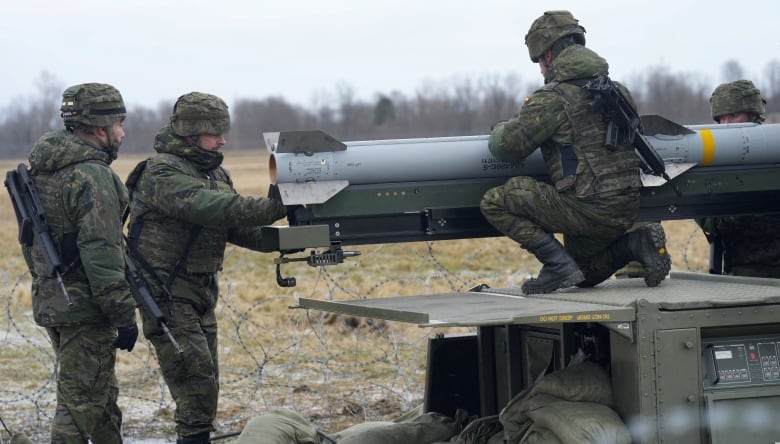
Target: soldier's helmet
(199,113)
(93,104)
(740,96)
(549,28)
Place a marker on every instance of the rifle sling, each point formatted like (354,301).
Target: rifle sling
(134,236)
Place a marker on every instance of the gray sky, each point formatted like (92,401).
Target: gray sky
(155,50)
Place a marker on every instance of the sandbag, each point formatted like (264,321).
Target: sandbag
(479,431)
(539,435)
(581,423)
(427,428)
(586,381)
(571,405)
(363,427)
(20,438)
(279,426)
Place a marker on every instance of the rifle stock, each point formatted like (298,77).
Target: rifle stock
(31,217)
(144,298)
(610,101)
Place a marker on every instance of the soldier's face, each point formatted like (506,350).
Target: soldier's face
(115,135)
(737,118)
(211,142)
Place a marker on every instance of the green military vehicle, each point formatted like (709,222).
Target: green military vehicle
(695,360)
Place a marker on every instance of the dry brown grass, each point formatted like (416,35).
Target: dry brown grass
(334,373)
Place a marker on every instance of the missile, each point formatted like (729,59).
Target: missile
(310,167)
(403,190)
(313,173)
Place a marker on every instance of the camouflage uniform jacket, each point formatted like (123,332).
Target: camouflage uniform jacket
(751,244)
(182,188)
(84,200)
(556,118)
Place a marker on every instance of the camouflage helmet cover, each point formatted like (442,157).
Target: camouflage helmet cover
(199,113)
(740,96)
(550,27)
(94,104)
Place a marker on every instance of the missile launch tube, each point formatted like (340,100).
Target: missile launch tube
(468,157)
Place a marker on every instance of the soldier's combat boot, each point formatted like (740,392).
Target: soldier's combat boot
(200,438)
(559,270)
(646,245)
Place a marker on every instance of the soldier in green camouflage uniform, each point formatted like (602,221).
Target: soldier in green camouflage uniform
(594,195)
(750,244)
(184,210)
(84,201)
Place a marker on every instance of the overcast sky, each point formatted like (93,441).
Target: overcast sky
(154,50)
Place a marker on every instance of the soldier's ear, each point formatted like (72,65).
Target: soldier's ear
(548,56)
(100,132)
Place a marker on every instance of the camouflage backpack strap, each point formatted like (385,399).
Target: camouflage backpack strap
(131,182)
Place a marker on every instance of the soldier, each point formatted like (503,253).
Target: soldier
(737,102)
(742,245)
(184,210)
(84,201)
(594,195)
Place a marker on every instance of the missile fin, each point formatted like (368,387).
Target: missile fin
(309,141)
(310,192)
(672,170)
(653,124)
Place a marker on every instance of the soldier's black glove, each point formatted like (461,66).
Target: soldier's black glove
(274,193)
(126,337)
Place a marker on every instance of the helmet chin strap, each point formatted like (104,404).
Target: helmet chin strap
(112,147)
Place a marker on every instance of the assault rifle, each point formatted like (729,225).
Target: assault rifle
(624,122)
(143,297)
(31,217)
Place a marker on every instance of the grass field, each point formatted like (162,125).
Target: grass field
(334,372)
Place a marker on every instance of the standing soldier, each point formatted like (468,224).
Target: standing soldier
(184,210)
(742,245)
(594,195)
(84,201)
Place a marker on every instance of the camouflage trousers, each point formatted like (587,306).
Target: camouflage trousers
(86,386)
(192,378)
(525,210)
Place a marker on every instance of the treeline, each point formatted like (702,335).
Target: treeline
(457,107)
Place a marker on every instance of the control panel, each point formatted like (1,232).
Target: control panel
(741,362)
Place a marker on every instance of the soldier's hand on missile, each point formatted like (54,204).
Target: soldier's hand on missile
(274,193)
(276,197)
(126,337)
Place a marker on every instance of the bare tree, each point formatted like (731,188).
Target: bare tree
(27,119)
(141,126)
(683,98)
(771,90)
(732,71)
(455,107)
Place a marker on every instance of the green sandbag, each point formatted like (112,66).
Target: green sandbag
(279,427)
(539,435)
(20,438)
(586,381)
(581,423)
(427,428)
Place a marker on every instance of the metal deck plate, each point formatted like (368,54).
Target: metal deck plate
(613,301)
(474,309)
